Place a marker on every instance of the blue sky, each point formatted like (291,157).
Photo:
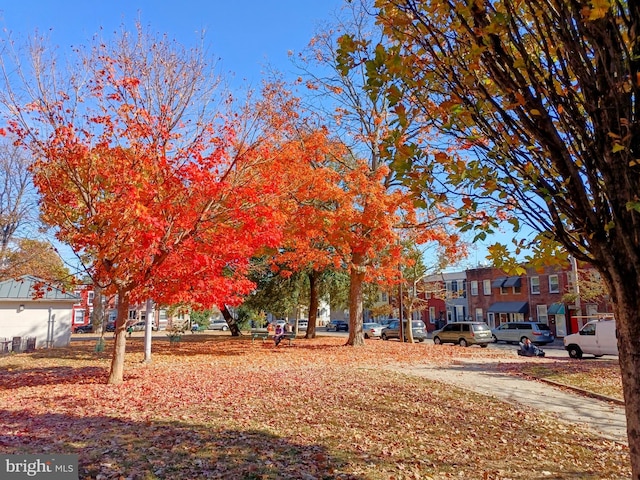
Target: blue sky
(245,35)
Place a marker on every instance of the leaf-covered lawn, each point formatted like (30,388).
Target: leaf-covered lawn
(598,376)
(217,407)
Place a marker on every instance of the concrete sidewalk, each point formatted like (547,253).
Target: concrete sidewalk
(605,418)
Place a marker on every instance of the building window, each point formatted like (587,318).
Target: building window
(474,288)
(385,298)
(78,317)
(554,284)
(479,315)
(486,287)
(432,315)
(90,298)
(535,285)
(542,313)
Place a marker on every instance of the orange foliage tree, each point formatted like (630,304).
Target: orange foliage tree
(371,121)
(140,174)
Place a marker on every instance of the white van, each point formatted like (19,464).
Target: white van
(597,338)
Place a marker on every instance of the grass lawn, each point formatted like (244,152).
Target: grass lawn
(596,375)
(219,407)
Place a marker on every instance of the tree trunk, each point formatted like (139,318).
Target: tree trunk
(314,302)
(356,334)
(233,325)
(626,307)
(409,331)
(97,315)
(119,347)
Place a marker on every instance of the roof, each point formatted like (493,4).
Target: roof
(33,288)
(509,307)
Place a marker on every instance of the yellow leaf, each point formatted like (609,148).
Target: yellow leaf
(617,148)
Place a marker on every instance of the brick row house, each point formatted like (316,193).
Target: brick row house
(83,310)
(488,294)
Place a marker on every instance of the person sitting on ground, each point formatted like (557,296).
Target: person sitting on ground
(528,349)
(277,337)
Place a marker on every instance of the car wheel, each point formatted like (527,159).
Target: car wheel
(384,336)
(575,352)
(437,341)
(495,339)
(462,342)
(421,340)
(484,345)
(366,336)
(225,328)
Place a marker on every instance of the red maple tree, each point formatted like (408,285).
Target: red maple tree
(163,196)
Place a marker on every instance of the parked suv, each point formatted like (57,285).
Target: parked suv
(464,334)
(393,330)
(513,332)
(337,325)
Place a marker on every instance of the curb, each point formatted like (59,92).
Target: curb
(581,391)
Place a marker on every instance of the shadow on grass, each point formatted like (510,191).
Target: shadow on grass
(114,448)
(20,377)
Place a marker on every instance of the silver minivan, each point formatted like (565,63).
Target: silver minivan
(513,332)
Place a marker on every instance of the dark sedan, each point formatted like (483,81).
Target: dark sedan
(83,329)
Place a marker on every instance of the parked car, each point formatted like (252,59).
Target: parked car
(515,332)
(303,324)
(464,334)
(597,337)
(392,330)
(219,324)
(111,327)
(139,326)
(372,330)
(337,325)
(83,329)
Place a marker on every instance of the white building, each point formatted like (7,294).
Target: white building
(31,308)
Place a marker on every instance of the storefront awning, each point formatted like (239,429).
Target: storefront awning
(556,309)
(509,307)
(497,283)
(505,282)
(512,282)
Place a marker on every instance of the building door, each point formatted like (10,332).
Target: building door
(491,320)
(561,325)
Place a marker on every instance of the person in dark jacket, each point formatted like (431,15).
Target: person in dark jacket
(278,335)
(528,349)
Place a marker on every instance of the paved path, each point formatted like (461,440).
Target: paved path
(605,418)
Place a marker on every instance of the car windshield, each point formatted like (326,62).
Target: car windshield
(417,324)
